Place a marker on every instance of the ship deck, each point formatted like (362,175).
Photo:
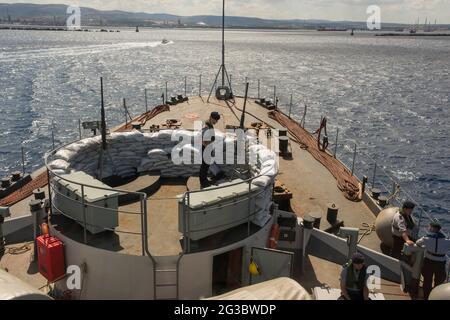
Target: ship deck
(312,185)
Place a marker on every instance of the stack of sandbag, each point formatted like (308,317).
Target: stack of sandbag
(156,159)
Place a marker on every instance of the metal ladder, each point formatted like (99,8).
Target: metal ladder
(166,280)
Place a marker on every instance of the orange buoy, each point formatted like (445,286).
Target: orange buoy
(274,236)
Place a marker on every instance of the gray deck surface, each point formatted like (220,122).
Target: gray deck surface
(313,188)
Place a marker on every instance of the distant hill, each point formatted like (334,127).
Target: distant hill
(20,13)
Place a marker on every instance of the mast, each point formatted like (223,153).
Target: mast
(223,43)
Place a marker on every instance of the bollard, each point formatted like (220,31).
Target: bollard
(16,176)
(39,194)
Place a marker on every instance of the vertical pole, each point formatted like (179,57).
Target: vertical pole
(259,89)
(103,128)
(249,206)
(337,141)
(245,105)
(290,106)
(142,225)
(374,175)
(125,110)
(23,161)
(185,86)
(49,192)
(274,94)
(223,43)
(200,86)
(53,136)
(354,159)
(79,128)
(166,98)
(230,79)
(84,215)
(188,225)
(146,101)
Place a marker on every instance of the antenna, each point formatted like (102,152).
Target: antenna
(223,92)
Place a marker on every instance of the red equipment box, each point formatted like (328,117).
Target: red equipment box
(51,257)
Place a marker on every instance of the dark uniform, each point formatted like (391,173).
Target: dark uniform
(204,168)
(355,281)
(400,224)
(436,248)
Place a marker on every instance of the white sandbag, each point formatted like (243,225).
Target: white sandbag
(64,154)
(265,155)
(157,152)
(262,181)
(59,165)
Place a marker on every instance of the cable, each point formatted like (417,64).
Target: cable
(366,230)
(19,250)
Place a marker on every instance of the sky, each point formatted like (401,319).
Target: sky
(402,11)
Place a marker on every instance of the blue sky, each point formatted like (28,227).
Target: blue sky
(406,11)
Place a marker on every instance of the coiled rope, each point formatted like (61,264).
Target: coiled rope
(346,182)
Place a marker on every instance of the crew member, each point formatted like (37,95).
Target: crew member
(402,227)
(354,279)
(436,248)
(207,138)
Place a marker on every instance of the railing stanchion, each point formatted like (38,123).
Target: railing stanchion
(275,94)
(166,97)
(354,159)
(142,225)
(259,89)
(185,86)
(23,160)
(200,86)
(146,100)
(249,207)
(290,106)
(374,175)
(84,215)
(53,136)
(79,127)
(336,145)
(188,224)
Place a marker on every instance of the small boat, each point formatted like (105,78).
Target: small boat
(164,41)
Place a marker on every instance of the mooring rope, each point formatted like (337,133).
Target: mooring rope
(346,182)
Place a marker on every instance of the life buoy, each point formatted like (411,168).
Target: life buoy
(274,236)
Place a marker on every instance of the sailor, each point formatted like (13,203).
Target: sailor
(354,279)
(403,227)
(207,138)
(436,248)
